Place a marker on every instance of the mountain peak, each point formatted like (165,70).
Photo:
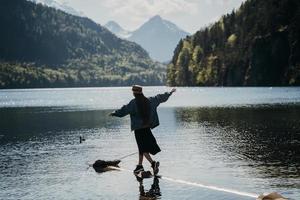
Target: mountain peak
(117,29)
(159,37)
(156,17)
(111,22)
(112,25)
(159,24)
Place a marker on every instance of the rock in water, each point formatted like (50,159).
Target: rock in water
(103,166)
(271,196)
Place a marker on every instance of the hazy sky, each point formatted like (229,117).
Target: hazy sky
(190,15)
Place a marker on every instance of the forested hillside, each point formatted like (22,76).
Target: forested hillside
(45,47)
(256,45)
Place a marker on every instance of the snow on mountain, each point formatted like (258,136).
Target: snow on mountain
(61,6)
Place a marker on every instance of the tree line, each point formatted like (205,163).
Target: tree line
(45,47)
(255,45)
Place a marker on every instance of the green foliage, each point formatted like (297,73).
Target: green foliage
(29,76)
(197,54)
(231,40)
(171,74)
(208,74)
(45,47)
(182,72)
(256,45)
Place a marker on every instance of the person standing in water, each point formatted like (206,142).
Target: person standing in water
(143,116)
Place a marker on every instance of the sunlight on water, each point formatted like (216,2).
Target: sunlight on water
(113,97)
(244,140)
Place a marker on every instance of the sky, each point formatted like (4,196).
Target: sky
(190,15)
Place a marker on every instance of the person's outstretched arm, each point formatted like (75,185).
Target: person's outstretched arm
(125,110)
(160,98)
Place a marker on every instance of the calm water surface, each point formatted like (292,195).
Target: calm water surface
(246,139)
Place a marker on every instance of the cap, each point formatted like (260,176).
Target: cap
(137,89)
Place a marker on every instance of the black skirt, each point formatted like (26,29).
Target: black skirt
(146,141)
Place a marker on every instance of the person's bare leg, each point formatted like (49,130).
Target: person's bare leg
(140,159)
(148,157)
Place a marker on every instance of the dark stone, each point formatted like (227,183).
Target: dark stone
(103,166)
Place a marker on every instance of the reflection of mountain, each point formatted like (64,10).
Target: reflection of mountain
(266,137)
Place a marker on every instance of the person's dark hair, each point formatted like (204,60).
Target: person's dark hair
(143,105)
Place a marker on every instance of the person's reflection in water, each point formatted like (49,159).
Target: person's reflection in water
(153,193)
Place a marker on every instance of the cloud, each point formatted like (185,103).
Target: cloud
(187,14)
(220,2)
(138,11)
(150,6)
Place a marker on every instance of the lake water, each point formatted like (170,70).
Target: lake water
(244,139)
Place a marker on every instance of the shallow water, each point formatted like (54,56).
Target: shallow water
(246,139)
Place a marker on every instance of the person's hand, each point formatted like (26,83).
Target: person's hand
(111,114)
(173,90)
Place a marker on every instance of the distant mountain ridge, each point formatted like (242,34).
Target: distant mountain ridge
(157,36)
(115,28)
(45,47)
